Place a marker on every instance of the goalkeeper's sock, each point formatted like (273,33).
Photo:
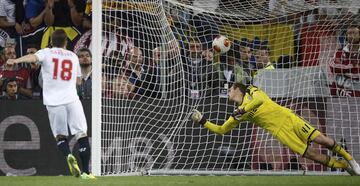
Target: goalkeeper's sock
(63,146)
(84,151)
(341,151)
(332,162)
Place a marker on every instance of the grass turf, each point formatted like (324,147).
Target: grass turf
(184,180)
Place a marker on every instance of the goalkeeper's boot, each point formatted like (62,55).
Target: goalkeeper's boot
(86,176)
(350,170)
(73,165)
(355,167)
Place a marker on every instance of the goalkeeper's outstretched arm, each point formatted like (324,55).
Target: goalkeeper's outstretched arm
(229,124)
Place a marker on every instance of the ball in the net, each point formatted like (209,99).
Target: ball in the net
(221,44)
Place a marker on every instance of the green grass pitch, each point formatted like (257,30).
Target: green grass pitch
(184,180)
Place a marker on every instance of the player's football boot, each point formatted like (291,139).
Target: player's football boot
(355,167)
(350,170)
(85,176)
(73,165)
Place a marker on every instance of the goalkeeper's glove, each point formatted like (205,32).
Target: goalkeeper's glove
(238,113)
(198,117)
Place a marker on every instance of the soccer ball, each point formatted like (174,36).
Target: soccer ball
(221,44)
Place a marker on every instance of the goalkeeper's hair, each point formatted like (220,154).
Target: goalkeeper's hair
(240,86)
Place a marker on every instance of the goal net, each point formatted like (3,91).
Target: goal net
(157,65)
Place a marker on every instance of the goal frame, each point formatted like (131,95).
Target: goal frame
(96,88)
(96,124)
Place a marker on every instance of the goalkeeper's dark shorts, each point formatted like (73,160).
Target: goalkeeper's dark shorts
(297,134)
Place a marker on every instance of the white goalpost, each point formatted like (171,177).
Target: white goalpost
(96,89)
(153,64)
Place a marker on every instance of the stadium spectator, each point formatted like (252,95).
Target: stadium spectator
(206,27)
(35,12)
(171,57)
(150,83)
(121,85)
(227,72)
(10,90)
(129,82)
(199,69)
(20,23)
(244,53)
(14,71)
(155,56)
(345,68)
(7,18)
(116,38)
(87,22)
(85,60)
(2,57)
(179,20)
(231,71)
(262,57)
(85,39)
(35,74)
(34,15)
(118,73)
(3,38)
(112,67)
(198,22)
(136,65)
(83,42)
(63,14)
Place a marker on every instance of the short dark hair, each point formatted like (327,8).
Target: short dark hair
(240,86)
(7,81)
(84,50)
(58,38)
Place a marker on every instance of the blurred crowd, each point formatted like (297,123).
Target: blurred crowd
(138,61)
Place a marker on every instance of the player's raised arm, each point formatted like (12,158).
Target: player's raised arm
(31,58)
(229,124)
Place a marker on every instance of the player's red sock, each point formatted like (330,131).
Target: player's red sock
(84,151)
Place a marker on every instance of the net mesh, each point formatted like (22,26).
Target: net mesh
(158,65)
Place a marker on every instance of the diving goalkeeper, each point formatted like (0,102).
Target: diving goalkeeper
(288,128)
